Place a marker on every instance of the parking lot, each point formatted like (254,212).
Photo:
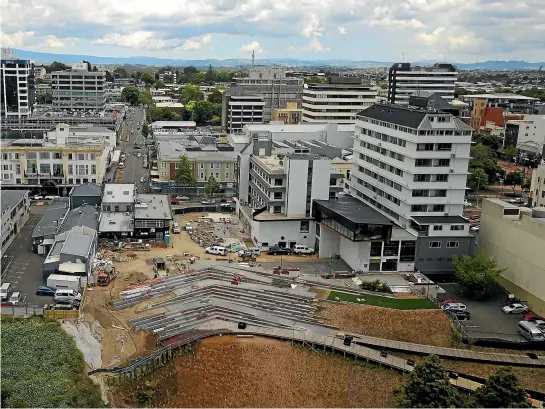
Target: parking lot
(487,318)
(23,268)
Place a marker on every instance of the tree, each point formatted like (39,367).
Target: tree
(514,179)
(145,129)
(216,96)
(131,94)
(145,98)
(56,66)
(95,69)
(510,152)
(203,111)
(501,390)
(483,157)
(189,93)
(184,172)
(491,141)
(120,72)
(148,78)
(45,98)
(428,386)
(109,76)
(211,186)
(476,274)
(159,84)
(190,70)
(477,179)
(210,75)
(224,76)
(383,85)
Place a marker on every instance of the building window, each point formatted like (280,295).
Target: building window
(202,175)
(419,208)
(202,165)
(437,228)
(278,195)
(434,244)
(457,227)
(81,156)
(453,244)
(93,169)
(305,226)
(277,209)
(407,251)
(278,182)
(438,208)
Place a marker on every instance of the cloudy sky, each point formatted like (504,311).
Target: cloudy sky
(382,30)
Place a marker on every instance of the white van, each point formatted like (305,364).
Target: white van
(66,295)
(176,228)
(218,250)
(5,291)
(530,331)
(298,249)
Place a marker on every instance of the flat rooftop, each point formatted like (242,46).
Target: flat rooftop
(269,163)
(10,198)
(77,244)
(354,210)
(118,193)
(50,222)
(500,96)
(116,222)
(150,206)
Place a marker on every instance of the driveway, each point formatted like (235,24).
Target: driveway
(23,268)
(487,319)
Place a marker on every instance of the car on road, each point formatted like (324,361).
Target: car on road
(515,308)
(15,298)
(274,250)
(454,306)
(461,315)
(182,198)
(174,201)
(142,179)
(531,317)
(45,290)
(51,197)
(138,147)
(139,154)
(37,197)
(208,202)
(299,249)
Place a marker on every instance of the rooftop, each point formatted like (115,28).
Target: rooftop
(77,243)
(149,206)
(172,150)
(270,163)
(10,198)
(50,222)
(173,124)
(305,127)
(500,96)
(87,189)
(354,210)
(85,215)
(118,193)
(111,222)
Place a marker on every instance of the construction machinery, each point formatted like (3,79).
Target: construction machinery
(105,276)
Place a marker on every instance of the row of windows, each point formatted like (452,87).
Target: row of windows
(55,155)
(380,178)
(454,227)
(413,131)
(384,137)
(382,165)
(439,163)
(429,193)
(449,244)
(428,208)
(379,206)
(259,171)
(430,178)
(382,151)
(434,147)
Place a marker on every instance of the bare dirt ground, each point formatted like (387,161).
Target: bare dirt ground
(430,327)
(257,372)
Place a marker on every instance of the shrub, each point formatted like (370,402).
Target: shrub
(377,285)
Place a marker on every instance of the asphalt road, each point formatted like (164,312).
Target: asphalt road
(23,268)
(134,165)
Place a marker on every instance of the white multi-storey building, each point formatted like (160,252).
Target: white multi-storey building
(65,158)
(17,86)
(405,80)
(15,213)
(168,77)
(412,166)
(240,109)
(336,102)
(79,88)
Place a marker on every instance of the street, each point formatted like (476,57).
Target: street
(132,136)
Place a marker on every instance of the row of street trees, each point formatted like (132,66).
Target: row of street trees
(184,176)
(428,386)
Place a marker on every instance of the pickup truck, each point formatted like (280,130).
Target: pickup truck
(274,250)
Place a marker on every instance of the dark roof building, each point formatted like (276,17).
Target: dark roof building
(88,193)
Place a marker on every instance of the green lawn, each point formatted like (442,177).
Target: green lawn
(401,304)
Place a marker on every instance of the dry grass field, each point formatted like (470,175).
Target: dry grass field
(258,372)
(430,327)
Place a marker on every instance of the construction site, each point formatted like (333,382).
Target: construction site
(152,303)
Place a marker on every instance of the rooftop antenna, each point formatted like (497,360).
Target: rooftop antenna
(253,58)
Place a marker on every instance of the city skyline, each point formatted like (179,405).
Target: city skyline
(382,30)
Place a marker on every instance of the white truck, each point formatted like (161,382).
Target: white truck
(68,282)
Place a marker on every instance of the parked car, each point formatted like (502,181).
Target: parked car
(15,298)
(274,250)
(208,202)
(530,331)
(176,228)
(218,250)
(530,317)
(37,197)
(516,308)
(461,315)
(538,323)
(139,155)
(174,201)
(51,197)
(45,290)
(64,294)
(142,179)
(299,249)
(454,306)
(182,198)
(449,300)
(5,291)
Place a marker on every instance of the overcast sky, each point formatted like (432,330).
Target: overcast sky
(382,30)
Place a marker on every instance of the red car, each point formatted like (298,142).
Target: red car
(174,201)
(449,300)
(531,317)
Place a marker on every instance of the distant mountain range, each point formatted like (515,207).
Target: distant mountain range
(47,58)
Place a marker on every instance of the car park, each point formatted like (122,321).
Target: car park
(515,308)
(45,290)
(299,249)
(274,250)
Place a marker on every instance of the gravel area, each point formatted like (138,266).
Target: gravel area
(85,341)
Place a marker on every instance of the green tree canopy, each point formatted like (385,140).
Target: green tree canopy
(145,98)
(510,152)
(131,94)
(56,66)
(203,111)
(210,75)
(189,93)
(514,179)
(148,78)
(120,72)
(428,386)
(483,157)
(476,274)
(501,390)
(190,70)
(184,172)
(534,93)
(383,84)
(490,141)
(224,76)
(211,186)
(216,96)
(159,84)
(145,129)
(477,179)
